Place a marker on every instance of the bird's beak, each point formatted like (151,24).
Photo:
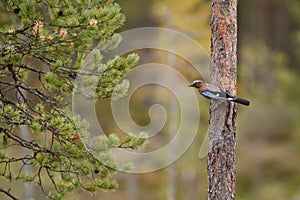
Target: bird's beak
(191,85)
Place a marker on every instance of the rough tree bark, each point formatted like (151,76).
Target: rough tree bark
(222,133)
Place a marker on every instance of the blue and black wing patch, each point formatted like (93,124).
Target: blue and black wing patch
(219,95)
(207,94)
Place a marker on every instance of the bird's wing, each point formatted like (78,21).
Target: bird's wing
(215,95)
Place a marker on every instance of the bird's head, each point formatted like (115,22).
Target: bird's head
(196,84)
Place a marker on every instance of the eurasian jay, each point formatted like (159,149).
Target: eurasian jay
(212,92)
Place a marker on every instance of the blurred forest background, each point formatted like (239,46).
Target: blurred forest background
(268,143)
(268,135)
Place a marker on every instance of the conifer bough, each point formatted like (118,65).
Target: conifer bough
(43,46)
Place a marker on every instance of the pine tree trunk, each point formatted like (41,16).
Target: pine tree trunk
(222,133)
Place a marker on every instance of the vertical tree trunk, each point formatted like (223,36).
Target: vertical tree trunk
(222,133)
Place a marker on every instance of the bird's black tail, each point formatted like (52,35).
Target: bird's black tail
(241,101)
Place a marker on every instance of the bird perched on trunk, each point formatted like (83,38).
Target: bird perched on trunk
(212,92)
